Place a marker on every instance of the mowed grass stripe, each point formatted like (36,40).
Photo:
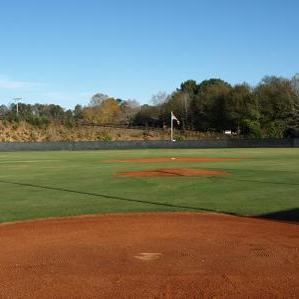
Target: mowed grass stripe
(102,196)
(265,181)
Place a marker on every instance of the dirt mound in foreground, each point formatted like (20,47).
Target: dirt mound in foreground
(150,256)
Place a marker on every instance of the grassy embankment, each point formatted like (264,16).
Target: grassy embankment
(23,131)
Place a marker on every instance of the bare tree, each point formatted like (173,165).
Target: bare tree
(97,99)
(160,98)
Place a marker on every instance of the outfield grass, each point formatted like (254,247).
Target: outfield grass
(48,184)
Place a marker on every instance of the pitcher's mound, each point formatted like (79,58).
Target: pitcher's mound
(174,172)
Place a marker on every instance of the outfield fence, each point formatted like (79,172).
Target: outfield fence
(102,145)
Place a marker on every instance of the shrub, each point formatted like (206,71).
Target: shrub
(252,128)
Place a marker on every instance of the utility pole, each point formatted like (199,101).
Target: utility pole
(17,104)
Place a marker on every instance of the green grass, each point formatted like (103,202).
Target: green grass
(49,184)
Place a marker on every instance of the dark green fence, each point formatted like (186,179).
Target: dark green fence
(102,145)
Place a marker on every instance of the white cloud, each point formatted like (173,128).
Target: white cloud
(33,92)
(6,83)
(63,98)
(57,95)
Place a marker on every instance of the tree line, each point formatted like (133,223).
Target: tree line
(270,109)
(101,110)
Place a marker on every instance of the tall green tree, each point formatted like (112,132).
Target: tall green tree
(277,99)
(208,106)
(180,103)
(241,109)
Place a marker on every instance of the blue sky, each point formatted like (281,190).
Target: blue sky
(64,51)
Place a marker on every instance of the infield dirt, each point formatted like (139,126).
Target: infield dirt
(168,255)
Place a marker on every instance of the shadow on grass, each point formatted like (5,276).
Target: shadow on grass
(158,204)
(287,215)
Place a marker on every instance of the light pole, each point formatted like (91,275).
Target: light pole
(17,103)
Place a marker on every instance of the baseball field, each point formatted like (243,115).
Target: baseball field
(150,223)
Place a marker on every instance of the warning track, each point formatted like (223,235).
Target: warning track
(168,255)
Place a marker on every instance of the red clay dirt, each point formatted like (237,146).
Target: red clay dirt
(173,159)
(174,172)
(169,255)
